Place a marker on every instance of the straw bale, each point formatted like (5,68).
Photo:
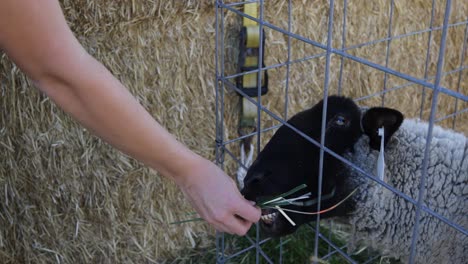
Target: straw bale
(68,197)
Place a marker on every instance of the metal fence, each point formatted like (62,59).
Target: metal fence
(224,82)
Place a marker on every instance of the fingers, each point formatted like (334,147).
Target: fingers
(230,223)
(246,210)
(236,225)
(244,215)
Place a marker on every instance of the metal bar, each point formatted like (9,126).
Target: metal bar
(241,3)
(324,119)
(342,253)
(329,235)
(265,256)
(329,242)
(234,157)
(223,63)
(371,259)
(287,96)
(458,70)
(343,46)
(345,161)
(452,115)
(331,253)
(457,94)
(219,254)
(409,34)
(257,245)
(217,86)
(355,58)
(447,91)
(428,56)
(259,80)
(462,58)
(422,186)
(227,142)
(330,223)
(249,135)
(406,85)
(346,256)
(281,251)
(246,249)
(223,247)
(222,82)
(259,119)
(219,33)
(288,63)
(323,54)
(389,36)
(274,66)
(240,252)
(405,76)
(217,121)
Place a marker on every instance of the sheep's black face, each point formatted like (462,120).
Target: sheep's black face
(289,160)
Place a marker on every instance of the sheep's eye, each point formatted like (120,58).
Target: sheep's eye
(340,121)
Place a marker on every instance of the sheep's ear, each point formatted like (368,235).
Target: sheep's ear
(378,117)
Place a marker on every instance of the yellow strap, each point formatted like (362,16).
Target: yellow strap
(253,37)
(253,41)
(249,109)
(251,10)
(251,61)
(249,80)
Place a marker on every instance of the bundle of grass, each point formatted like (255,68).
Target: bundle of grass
(295,248)
(68,197)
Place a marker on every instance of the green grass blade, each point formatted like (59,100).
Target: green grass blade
(187,221)
(298,188)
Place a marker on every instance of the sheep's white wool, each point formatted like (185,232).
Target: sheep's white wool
(246,162)
(385,221)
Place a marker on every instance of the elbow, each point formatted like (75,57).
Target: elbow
(59,72)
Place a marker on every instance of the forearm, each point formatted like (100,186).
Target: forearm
(36,37)
(43,46)
(88,92)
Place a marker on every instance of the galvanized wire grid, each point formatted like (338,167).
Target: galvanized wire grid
(224,82)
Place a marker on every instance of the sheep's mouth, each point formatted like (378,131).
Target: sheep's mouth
(269,216)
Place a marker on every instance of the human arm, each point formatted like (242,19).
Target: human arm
(36,37)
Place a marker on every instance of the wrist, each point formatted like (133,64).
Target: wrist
(184,171)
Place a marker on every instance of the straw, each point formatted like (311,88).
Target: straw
(66,191)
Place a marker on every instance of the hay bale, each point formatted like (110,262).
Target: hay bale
(68,197)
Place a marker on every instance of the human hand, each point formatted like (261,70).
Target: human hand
(103,105)
(216,198)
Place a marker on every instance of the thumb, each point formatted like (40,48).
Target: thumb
(247,210)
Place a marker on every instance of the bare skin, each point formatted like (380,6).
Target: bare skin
(35,36)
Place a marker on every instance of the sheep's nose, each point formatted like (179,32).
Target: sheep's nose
(253,180)
(252,186)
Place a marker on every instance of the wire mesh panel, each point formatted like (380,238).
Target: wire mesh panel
(408,56)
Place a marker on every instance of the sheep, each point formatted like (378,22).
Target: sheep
(382,219)
(385,221)
(289,160)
